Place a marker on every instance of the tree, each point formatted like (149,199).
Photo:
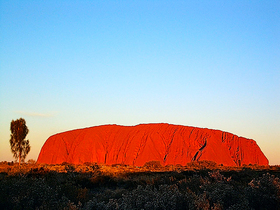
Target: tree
(19,146)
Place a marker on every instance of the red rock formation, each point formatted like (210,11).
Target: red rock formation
(136,145)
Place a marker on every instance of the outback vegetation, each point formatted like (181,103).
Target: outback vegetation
(198,185)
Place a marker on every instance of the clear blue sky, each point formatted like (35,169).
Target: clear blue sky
(74,64)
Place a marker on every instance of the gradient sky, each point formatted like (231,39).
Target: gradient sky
(74,64)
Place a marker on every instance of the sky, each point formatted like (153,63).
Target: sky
(72,64)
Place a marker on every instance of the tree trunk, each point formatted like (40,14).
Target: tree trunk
(19,158)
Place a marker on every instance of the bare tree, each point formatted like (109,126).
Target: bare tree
(19,146)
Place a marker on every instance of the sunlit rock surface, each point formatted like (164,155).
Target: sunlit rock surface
(136,145)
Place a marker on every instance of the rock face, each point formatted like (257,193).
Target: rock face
(136,145)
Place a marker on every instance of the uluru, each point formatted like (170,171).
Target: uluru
(136,145)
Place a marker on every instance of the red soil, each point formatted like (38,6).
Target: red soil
(136,145)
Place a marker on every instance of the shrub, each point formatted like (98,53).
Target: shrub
(153,165)
(202,165)
(31,161)
(264,192)
(120,187)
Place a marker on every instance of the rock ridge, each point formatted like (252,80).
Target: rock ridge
(136,145)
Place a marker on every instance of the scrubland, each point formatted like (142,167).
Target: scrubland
(198,185)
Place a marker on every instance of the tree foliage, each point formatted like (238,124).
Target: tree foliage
(19,145)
